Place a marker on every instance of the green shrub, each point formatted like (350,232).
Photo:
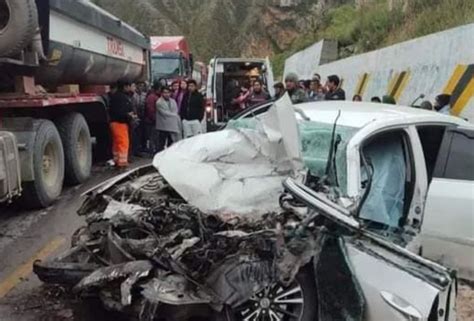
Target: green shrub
(342,24)
(441,15)
(375,26)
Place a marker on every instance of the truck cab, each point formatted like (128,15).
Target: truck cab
(171,59)
(169,66)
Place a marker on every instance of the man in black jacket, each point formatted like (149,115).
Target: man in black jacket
(121,112)
(192,111)
(334,91)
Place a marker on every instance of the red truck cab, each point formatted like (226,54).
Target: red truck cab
(171,58)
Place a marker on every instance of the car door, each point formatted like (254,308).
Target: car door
(396,284)
(393,183)
(447,234)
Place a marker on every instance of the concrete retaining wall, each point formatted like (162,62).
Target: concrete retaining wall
(434,64)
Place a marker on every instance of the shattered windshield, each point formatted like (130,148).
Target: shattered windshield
(315,139)
(316,144)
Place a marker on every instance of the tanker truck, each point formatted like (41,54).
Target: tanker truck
(57,58)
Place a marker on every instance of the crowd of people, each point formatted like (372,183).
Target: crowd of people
(313,90)
(147,120)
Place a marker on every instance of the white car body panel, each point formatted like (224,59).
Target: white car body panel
(376,276)
(449,225)
(384,270)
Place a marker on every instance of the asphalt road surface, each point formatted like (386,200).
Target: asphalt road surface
(26,236)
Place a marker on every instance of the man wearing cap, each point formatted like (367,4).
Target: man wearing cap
(297,95)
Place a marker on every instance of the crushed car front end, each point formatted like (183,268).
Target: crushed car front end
(216,228)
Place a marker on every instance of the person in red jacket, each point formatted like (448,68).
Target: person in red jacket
(150,116)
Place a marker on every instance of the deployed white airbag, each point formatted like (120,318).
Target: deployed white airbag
(384,203)
(236,171)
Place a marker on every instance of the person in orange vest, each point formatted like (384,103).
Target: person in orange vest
(121,113)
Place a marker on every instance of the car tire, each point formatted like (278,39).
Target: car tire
(76,139)
(305,280)
(48,167)
(18,25)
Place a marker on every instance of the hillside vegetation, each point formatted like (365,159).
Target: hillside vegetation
(262,28)
(375,25)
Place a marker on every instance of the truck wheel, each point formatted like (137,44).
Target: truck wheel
(18,25)
(77,144)
(48,167)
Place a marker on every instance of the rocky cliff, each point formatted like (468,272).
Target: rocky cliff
(277,28)
(224,27)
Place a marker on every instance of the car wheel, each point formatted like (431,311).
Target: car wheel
(296,302)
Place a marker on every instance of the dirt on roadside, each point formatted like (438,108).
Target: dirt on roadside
(465,302)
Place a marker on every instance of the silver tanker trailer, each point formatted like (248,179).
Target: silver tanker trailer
(57,58)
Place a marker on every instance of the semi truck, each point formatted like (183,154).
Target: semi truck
(171,59)
(57,59)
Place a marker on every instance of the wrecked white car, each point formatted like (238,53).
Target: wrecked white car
(440,159)
(270,219)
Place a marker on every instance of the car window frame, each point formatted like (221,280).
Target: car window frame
(408,151)
(445,151)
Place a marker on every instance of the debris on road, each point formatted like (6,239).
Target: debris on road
(173,253)
(465,302)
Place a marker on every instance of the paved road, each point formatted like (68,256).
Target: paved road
(29,235)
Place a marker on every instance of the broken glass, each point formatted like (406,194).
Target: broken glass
(315,145)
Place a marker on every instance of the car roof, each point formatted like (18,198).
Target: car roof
(359,114)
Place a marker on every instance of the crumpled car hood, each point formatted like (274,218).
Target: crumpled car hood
(236,171)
